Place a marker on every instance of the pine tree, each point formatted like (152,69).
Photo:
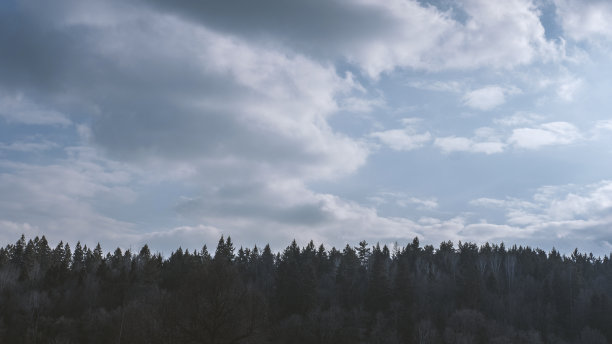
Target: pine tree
(363,252)
(78,258)
(17,251)
(225,250)
(349,280)
(29,266)
(205,256)
(97,253)
(295,282)
(43,252)
(379,290)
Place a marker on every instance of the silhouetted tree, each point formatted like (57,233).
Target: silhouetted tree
(467,294)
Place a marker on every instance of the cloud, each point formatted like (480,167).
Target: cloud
(356,104)
(547,134)
(19,109)
(403,200)
(601,129)
(21,146)
(421,203)
(282,202)
(488,97)
(568,86)
(157,88)
(225,111)
(604,124)
(493,35)
(519,118)
(381,36)
(486,140)
(585,20)
(492,141)
(277,116)
(405,139)
(10,230)
(451,144)
(61,200)
(437,86)
(186,237)
(282,211)
(402,139)
(565,212)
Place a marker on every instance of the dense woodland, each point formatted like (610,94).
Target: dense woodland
(361,294)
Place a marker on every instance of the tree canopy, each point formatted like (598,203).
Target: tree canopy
(361,294)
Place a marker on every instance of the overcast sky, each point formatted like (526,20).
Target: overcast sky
(173,122)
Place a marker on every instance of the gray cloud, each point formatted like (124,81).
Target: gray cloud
(157,87)
(317,26)
(59,200)
(160,94)
(300,214)
(231,101)
(380,36)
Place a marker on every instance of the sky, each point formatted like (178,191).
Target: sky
(174,122)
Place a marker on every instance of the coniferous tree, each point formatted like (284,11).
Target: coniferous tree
(486,294)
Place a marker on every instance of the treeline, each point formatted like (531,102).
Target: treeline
(361,294)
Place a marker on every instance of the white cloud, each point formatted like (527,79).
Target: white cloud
(486,140)
(604,124)
(23,146)
(403,200)
(488,97)
(19,109)
(496,34)
(451,144)
(10,231)
(187,237)
(519,118)
(487,202)
(491,141)
(421,203)
(561,212)
(589,202)
(491,147)
(585,20)
(601,129)
(403,139)
(60,200)
(568,86)
(547,134)
(436,85)
(356,104)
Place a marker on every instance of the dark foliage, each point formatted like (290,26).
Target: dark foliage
(362,294)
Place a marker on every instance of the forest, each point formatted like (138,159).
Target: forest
(461,293)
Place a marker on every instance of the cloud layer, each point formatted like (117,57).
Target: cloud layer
(174,122)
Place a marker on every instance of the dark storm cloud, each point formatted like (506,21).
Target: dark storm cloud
(156,87)
(32,53)
(175,133)
(300,214)
(255,200)
(317,26)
